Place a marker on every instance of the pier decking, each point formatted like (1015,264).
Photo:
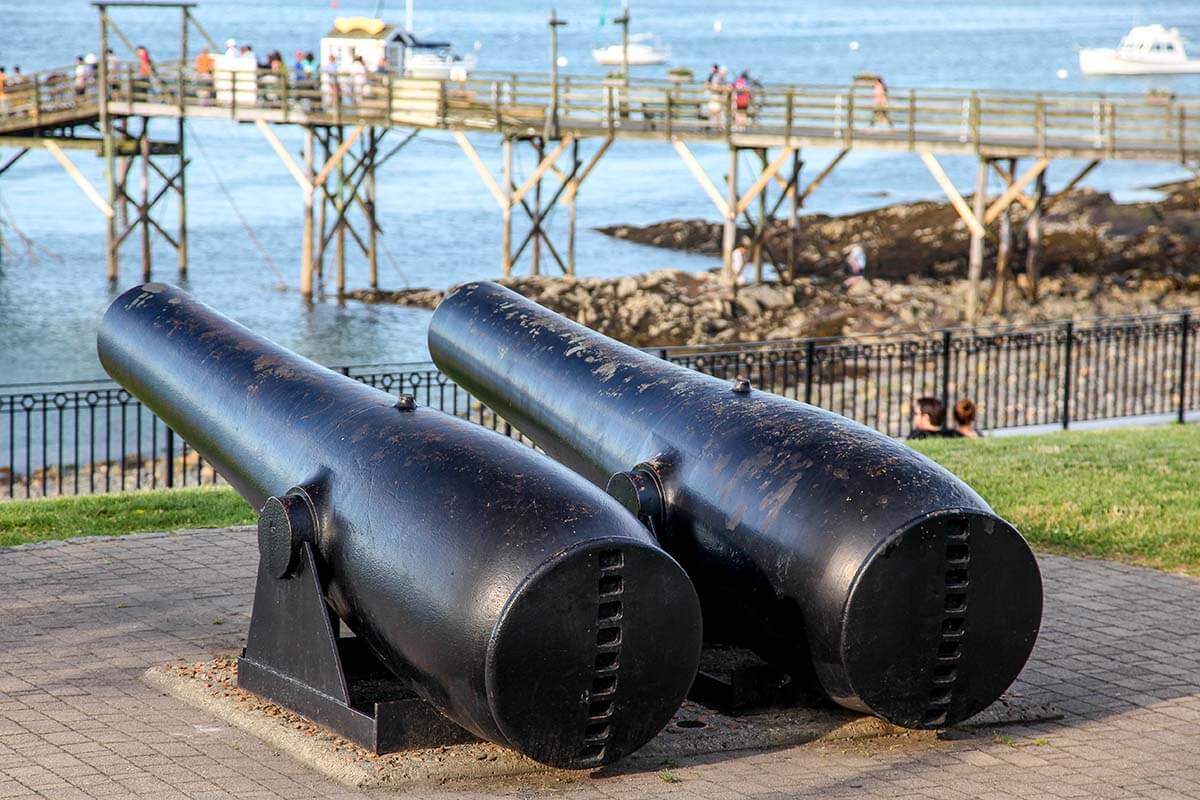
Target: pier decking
(347,120)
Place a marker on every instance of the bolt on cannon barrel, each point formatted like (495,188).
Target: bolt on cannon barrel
(521,601)
(861,567)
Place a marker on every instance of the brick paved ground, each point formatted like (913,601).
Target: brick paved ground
(1120,653)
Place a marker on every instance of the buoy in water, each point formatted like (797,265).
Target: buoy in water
(1062,74)
(716,26)
(854,45)
(562,61)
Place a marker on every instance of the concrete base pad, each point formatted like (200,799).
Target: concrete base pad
(695,731)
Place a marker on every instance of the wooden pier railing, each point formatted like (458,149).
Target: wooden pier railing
(996,124)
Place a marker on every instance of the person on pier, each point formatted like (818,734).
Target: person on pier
(204,64)
(331,93)
(718,93)
(879,97)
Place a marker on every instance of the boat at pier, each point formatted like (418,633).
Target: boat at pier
(374,41)
(1145,50)
(644,50)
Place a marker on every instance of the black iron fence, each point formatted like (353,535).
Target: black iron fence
(81,438)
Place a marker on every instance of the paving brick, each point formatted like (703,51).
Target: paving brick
(1119,652)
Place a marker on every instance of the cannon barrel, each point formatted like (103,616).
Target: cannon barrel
(858,565)
(521,601)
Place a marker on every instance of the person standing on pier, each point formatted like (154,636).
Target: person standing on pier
(358,74)
(204,64)
(114,65)
(330,88)
(145,72)
(879,96)
(742,97)
(145,65)
(81,71)
(718,93)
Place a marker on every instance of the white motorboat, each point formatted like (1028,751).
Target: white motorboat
(435,60)
(1145,50)
(378,43)
(644,51)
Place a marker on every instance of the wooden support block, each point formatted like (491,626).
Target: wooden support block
(302,179)
(763,179)
(502,198)
(1015,189)
(536,176)
(78,177)
(952,194)
(701,177)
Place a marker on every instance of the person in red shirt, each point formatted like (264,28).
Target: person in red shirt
(145,67)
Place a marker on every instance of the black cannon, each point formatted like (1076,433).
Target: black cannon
(522,602)
(857,565)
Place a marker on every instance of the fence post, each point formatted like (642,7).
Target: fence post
(37,106)
(912,119)
(849,136)
(946,341)
(170,457)
(284,100)
(1066,415)
(387,82)
(976,116)
(791,114)
(810,358)
(1185,322)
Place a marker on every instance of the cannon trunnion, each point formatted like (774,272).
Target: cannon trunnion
(520,601)
(859,566)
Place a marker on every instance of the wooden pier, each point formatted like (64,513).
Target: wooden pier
(352,126)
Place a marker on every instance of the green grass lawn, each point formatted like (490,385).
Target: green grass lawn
(23,521)
(1130,494)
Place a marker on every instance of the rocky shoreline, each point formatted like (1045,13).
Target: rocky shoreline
(1101,258)
(1085,232)
(673,307)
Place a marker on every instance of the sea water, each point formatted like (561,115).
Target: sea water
(440,225)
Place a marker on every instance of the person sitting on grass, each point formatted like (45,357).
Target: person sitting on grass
(929,419)
(964,419)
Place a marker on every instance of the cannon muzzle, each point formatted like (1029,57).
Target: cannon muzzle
(839,554)
(521,601)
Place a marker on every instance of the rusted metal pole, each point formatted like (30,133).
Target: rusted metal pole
(760,232)
(109,147)
(729,233)
(1033,254)
(506,210)
(181,181)
(306,246)
(324,211)
(975,260)
(794,216)
(572,192)
(372,229)
(340,222)
(535,256)
(144,205)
